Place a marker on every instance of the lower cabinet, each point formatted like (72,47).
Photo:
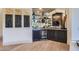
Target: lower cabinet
(57,35)
(36,35)
(51,35)
(54,35)
(61,36)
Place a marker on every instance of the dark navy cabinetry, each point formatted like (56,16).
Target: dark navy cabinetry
(57,35)
(36,35)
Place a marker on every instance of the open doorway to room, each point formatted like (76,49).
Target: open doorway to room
(50,24)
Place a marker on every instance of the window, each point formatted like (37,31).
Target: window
(26,21)
(18,19)
(8,20)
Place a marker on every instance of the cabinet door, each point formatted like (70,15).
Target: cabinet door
(50,34)
(36,35)
(61,36)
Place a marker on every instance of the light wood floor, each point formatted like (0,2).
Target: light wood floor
(45,45)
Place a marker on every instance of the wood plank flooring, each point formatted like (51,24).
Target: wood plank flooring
(45,45)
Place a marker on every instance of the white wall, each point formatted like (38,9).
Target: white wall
(17,35)
(75,23)
(1,25)
(75,29)
(1,31)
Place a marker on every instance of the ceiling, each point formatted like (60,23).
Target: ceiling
(43,9)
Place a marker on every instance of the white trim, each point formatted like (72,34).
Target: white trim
(69,22)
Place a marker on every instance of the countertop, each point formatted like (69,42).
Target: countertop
(50,29)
